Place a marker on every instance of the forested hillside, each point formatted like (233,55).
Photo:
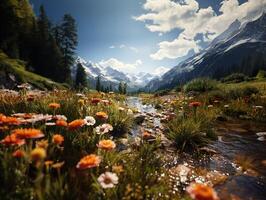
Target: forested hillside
(47,49)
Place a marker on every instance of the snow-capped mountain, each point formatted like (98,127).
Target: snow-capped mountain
(241,48)
(112,76)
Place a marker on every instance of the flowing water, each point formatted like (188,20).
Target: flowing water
(135,102)
(237,143)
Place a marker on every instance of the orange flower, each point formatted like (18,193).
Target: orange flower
(106,145)
(195,104)
(54,105)
(89,161)
(38,154)
(146,135)
(58,139)
(76,124)
(2,118)
(12,140)
(101,115)
(61,123)
(10,121)
(18,154)
(95,100)
(42,144)
(201,192)
(28,133)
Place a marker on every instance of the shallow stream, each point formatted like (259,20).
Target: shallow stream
(236,141)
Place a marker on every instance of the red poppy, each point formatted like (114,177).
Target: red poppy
(195,104)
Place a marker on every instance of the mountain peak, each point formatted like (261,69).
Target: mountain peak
(110,75)
(235,50)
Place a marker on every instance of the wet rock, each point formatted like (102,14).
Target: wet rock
(139,118)
(262,138)
(216,177)
(183,173)
(158,106)
(251,172)
(136,141)
(165,142)
(246,117)
(260,134)
(208,150)
(238,130)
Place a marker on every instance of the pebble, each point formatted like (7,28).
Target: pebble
(262,138)
(259,134)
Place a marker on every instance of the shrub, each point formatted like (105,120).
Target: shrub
(215,95)
(200,85)
(235,78)
(261,74)
(120,121)
(186,134)
(162,92)
(242,92)
(236,108)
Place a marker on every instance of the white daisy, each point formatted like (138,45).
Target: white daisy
(108,180)
(104,128)
(90,121)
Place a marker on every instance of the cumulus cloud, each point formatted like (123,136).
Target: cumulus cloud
(166,15)
(119,65)
(176,48)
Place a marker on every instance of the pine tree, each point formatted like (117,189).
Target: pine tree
(120,88)
(125,88)
(46,57)
(81,79)
(98,84)
(16,21)
(110,87)
(102,88)
(68,43)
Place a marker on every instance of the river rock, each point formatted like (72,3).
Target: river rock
(262,138)
(246,117)
(208,150)
(165,142)
(139,118)
(259,134)
(216,177)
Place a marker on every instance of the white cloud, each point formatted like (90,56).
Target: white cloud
(123,46)
(119,65)
(174,49)
(166,15)
(159,71)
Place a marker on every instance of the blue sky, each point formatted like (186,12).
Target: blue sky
(147,35)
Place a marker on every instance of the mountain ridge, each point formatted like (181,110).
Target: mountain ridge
(231,50)
(110,75)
